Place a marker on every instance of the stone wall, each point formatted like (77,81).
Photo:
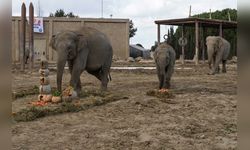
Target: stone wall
(117,31)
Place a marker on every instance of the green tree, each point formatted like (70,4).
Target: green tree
(228,34)
(132,29)
(71,15)
(61,13)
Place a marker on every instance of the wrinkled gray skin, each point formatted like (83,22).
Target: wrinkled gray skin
(218,50)
(164,56)
(85,49)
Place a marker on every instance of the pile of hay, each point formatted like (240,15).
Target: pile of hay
(91,99)
(160,94)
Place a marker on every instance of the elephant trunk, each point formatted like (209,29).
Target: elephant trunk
(210,57)
(60,69)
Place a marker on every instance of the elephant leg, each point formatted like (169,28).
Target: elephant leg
(103,77)
(214,68)
(211,64)
(169,72)
(104,81)
(217,62)
(77,69)
(75,81)
(105,73)
(161,81)
(224,66)
(78,85)
(167,83)
(217,69)
(162,76)
(70,64)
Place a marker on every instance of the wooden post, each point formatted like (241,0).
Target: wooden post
(22,37)
(31,37)
(50,36)
(203,44)
(189,15)
(196,57)
(182,47)
(221,30)
(158,33)
(210,14)
(17,41)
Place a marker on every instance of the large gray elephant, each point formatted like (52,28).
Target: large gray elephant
(164,57)
(84,49)
(218,50)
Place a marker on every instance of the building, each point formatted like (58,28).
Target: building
(117,31)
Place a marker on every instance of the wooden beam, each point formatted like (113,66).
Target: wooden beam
(221,30)
(158,33)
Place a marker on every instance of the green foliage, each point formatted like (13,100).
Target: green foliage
(56,93)
(228,34)
(132,29)
(61,13)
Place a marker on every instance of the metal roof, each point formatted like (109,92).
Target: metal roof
(203,22)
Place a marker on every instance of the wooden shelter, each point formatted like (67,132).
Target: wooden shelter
(197,23)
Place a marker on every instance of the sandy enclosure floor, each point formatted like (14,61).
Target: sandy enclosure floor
(202,114)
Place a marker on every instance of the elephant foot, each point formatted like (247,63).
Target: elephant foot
(211,73)
(163,90)
(104,88)
(224,71)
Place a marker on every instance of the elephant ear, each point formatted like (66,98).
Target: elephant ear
(53,42)
(208,39)
(81,42)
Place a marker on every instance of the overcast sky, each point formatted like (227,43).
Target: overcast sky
(142,12)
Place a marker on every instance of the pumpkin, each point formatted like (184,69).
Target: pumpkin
(56,99)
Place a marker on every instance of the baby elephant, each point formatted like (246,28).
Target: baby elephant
(164,56)
(218,50)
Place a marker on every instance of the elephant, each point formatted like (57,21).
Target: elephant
(164,57)
(218,50)
(84,49)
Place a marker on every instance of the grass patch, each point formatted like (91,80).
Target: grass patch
(92,99)
(32,91)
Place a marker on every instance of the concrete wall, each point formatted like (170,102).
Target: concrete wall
(117,31)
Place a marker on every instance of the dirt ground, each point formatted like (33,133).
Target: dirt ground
(201,115)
